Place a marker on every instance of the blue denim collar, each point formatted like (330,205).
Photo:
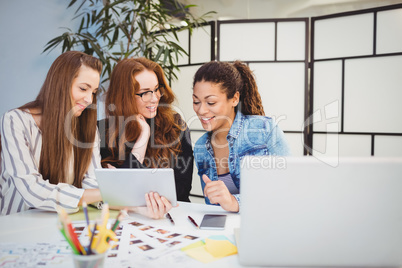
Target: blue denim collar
(236,126)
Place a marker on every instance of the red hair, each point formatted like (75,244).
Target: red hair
(120,103)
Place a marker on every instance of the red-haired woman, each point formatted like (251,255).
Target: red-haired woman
(141,129)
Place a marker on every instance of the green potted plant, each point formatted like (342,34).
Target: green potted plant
(116,29)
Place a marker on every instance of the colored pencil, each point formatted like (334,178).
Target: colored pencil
(72,246)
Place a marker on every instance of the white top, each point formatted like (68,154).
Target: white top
(21,185)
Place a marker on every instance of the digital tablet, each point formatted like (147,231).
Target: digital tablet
(127,187)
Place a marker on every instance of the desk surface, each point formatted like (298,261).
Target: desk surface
(35,226)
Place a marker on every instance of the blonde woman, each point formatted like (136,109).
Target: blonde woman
(49,147)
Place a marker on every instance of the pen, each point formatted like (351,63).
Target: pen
(92,239)
(84,207)
(170,218)
(193,222)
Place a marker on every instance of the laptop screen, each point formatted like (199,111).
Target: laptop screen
(309,213)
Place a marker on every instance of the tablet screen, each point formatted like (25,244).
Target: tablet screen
(127,187)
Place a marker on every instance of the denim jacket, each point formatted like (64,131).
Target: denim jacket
(248,135)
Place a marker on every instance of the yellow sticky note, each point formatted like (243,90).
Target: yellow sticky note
(193,245)
(220,248)
(200,254)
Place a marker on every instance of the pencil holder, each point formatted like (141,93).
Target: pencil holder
(89,261)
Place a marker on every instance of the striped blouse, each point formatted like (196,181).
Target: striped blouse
(21,185)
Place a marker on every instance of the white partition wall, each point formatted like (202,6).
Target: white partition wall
(282,86)
(276,50)
(239,42)
(374,85)
(356,83)
(202,44)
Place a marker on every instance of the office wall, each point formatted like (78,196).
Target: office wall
(25,28)
(356,88)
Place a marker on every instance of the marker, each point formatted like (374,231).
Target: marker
(193,222)
(170,218)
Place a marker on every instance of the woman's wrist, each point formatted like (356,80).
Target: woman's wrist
(141,142)
(90,196)
(140,148)
(235,205)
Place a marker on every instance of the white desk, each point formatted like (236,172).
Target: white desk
(35,226)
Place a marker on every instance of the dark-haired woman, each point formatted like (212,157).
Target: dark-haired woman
(141,129)
(227,102)
(49,147)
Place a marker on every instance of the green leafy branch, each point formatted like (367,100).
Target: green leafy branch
(116,29)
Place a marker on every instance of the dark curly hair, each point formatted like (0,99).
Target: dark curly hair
(233,77)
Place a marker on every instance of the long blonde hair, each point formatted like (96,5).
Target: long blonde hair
(54,102)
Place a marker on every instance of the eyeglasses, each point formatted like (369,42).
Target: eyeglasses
(147,95)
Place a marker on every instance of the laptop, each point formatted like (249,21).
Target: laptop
(303,212)
(127,187)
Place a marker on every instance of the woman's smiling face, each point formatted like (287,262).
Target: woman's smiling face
(84,89)
(148,81)
(213,108)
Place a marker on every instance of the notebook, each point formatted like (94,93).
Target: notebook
(304,212)
(127,187)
